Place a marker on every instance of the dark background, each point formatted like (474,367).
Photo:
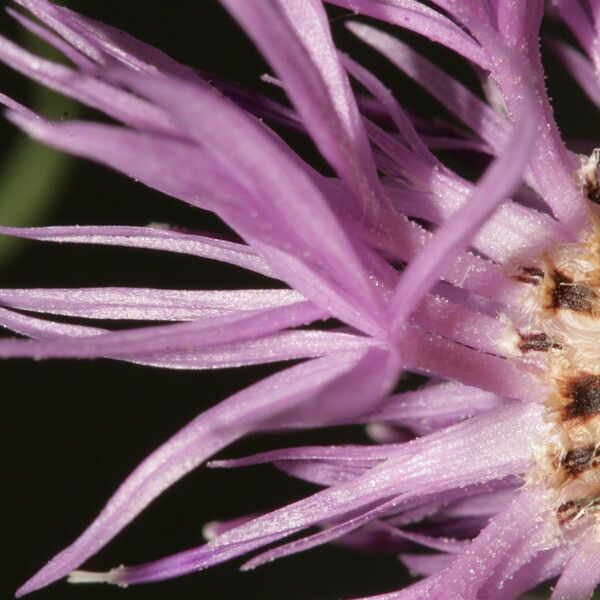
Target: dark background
(71,431)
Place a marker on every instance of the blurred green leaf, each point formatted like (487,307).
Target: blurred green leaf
(32,176)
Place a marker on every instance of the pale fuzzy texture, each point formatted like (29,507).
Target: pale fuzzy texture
(412,260)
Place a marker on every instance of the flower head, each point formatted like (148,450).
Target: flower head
(490,288)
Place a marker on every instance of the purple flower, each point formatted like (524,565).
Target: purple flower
(490,288)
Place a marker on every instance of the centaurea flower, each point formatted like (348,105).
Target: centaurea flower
(491,288)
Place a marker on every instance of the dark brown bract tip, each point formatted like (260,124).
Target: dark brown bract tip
(592,191)
(584,392)
(532,275)
(571,296)
(578,460)
(572,509)
(566,511)
(537,342)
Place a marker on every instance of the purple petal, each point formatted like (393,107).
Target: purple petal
(499,181)
(470,572)
(39,328)
(145,304)
(358,454)
(580,68)
(512,230)
(371,381)
(573,14)
(139,342)
(518,70)
(460,324)
(64,48)
(101,42)
(17,107)
(444,544)
(545,566)
(204,436)
(416,591)
(426,564)
(442,403)
(320,473)
(85,88)
(483,504)
(287,345)
(174,167)
(582,573)
(435,356)
(151,238)
(329,534)
(287,213)
(339,529)
(420,19)
(283,346)
(214,528)
(397,114)
(501,442)
(468,271)
(424,410)
(452,94)
(295,38)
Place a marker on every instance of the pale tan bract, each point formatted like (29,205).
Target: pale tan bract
(555,331)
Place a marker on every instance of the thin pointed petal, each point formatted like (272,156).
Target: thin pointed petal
(142,341)
(151,238)
(204,436)
(582,573)
(421,19)
(452,94)
(580,68)
(501,441)
(297,42)
(498,183)
(144,304)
